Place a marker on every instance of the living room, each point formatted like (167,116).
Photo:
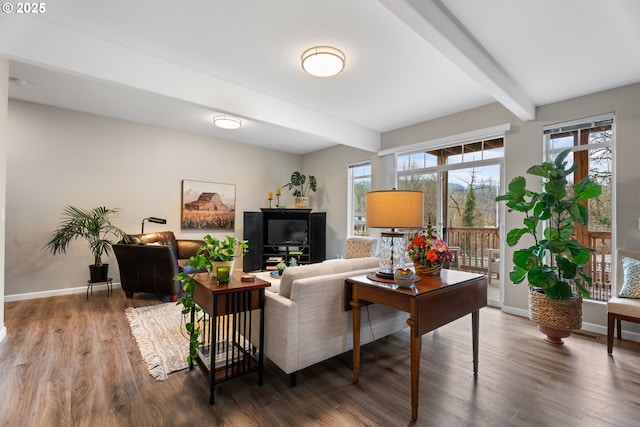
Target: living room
(56,157)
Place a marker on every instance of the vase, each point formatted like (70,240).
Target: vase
(302,202)
(555,318)
(429,270)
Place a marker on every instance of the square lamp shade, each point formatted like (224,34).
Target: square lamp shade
(393,209)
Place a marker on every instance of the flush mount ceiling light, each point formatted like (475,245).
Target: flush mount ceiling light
(227,122)
(323,61)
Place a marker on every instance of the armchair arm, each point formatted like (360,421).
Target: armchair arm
(188,248)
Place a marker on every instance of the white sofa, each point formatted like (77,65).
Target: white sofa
(306,321)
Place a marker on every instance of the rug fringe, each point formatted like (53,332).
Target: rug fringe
(147,350)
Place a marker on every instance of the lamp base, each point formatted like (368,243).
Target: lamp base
(384,275)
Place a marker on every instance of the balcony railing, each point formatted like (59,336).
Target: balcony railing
(477,249)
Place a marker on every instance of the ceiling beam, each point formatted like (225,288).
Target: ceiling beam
(55,47)
(437,26)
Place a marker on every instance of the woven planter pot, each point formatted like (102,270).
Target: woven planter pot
(428,270)
(558,314)
(302,202)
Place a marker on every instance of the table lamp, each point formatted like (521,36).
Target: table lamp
(393,209)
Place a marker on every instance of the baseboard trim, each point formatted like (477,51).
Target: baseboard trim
(587,327)
(56,292)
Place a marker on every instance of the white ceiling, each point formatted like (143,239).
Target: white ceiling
(177,64)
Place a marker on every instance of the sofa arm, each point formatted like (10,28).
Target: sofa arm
(281,332)
(188,248)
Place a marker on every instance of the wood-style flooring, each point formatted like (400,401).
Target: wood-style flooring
(67,361)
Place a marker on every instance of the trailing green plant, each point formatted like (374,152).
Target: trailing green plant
(226,249)
(556,257)
(213,250)
(94,225)
(301,185)
(197,263)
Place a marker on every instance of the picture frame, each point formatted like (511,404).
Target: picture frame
(208,206)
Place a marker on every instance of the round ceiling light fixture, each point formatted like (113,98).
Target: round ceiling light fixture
(227,122)
(323,61)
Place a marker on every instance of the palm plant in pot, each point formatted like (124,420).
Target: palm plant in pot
(96,227)
(556,258)
(301,187)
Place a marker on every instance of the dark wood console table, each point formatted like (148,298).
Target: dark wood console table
(431,302)
(227,329)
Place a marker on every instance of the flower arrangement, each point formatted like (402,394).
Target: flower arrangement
(429,250)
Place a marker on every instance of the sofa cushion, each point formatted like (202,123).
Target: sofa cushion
(631,278)
(321,269)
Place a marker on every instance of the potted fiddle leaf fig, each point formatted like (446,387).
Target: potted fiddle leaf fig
(301,187)
(555,258)
(96,227)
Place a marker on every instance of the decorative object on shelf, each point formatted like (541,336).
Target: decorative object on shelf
(556,257)
(301,187)
(404,277)
(278,193)
(429,252)
(293,262)
(154,220)
(208,205)
(212,251)
(269,198)
(393,209)
(95,226)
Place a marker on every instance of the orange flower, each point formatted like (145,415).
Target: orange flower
(432,255)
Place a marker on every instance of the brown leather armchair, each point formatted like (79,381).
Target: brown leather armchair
(149,261)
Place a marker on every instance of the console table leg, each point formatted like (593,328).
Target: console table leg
(416,347)
(475,327)
(356,340)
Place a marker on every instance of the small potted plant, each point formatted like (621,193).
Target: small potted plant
(222,252)
(301,187)
(95,226)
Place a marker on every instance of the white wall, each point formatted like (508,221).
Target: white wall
(330,169)
(58,157)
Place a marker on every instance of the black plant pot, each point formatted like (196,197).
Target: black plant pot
(99,273)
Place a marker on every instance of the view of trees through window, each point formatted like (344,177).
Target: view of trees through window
(360,180)
(591,142)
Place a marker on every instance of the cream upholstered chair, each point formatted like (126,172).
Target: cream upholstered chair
(625,305)
(360,247)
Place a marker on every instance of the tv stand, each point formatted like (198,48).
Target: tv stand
(265,254)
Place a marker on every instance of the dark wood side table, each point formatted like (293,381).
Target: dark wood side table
(227,330)
(431,302)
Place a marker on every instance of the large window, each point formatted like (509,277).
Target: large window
(591,141)
(359,185)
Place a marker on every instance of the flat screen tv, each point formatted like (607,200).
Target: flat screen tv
(286,231)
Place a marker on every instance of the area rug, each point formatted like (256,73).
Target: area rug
(164,343)
(161,338)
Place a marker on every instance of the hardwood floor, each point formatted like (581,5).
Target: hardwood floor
(67,361)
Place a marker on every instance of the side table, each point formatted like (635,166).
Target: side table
(109,283)
(431,302)
(228,328)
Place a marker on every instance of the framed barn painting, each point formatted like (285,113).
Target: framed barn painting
(208,205)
